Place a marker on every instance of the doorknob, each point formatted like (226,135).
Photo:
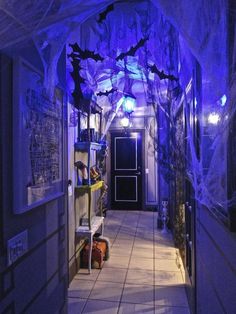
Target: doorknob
(138,173)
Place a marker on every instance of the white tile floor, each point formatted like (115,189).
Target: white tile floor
(141,275)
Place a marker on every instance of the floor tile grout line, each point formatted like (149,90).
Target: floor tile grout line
(139,226)
(95,281)
(138,218)
(117,235)
(90,291)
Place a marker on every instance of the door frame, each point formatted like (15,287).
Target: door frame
(108,168)
(194,114)
(190,246)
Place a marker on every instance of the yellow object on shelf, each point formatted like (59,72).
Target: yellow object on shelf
(93,187)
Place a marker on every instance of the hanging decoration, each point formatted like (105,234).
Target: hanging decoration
(84,54)
(103,15)
(78,80)
(132,50)
(106,93)
(161,74)
(77,55)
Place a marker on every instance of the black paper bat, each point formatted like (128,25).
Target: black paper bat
(161,74)
(77,93)
(132,50)
(85,54)
(73,55)
(107,92)
(103,15)
(76,64)
(77,77)
(78,80)
(76,72)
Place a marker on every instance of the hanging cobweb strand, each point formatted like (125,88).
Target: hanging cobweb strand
(193,165)
(114,104)
(209,188)
(50,45)
(111,118)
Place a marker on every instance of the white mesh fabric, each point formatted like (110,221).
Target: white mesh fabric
(202,25)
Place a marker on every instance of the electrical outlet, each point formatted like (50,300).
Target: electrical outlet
(17,246)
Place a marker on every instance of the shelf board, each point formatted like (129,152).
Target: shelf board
(85,146)
(96,222)
(93,187)
(86,105)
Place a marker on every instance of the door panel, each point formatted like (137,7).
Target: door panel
(125,161)
(126,170)
(122,194)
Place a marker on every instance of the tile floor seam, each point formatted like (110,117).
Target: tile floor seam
(94,282)
(121,296)
(81,298)
(139,221)
(140,284)
(118,230)
(117,234)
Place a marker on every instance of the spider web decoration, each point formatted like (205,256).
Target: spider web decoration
(50,25)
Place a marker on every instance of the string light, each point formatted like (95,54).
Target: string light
(213,118)
(125,122)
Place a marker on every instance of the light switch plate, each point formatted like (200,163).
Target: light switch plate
(17,246)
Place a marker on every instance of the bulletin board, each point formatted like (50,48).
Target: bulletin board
(37,139)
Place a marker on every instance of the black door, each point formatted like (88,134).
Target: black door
(126,170)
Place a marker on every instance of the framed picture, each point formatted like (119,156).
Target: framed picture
(37,139)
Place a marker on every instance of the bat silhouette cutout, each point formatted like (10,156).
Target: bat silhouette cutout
(132,50)
(76,64)
(84,54)
(103,15)
(161,74)
(74,56)
(106,93)
(77,77)
(78,80)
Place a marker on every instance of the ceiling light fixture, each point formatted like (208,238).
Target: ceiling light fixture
(125,122)
(129,103)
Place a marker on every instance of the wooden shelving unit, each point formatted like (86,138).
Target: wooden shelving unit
(89,189)
(89,147)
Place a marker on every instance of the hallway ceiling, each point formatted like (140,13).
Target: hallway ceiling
(51,23)
(173,29)
(129,41)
